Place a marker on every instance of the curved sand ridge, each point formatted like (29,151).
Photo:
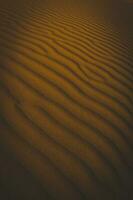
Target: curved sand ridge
(66,102)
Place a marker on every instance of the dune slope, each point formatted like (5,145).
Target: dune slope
(66,100)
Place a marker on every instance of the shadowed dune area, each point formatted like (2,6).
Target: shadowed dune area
(66,100)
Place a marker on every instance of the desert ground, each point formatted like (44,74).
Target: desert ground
(66,100)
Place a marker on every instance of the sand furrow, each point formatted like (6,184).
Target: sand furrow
(66,100)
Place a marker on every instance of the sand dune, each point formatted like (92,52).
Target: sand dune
(66,100)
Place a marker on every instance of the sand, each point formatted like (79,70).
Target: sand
(66,100)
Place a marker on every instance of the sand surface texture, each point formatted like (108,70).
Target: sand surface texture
(66,100)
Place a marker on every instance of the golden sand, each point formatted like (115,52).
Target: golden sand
(66,100)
